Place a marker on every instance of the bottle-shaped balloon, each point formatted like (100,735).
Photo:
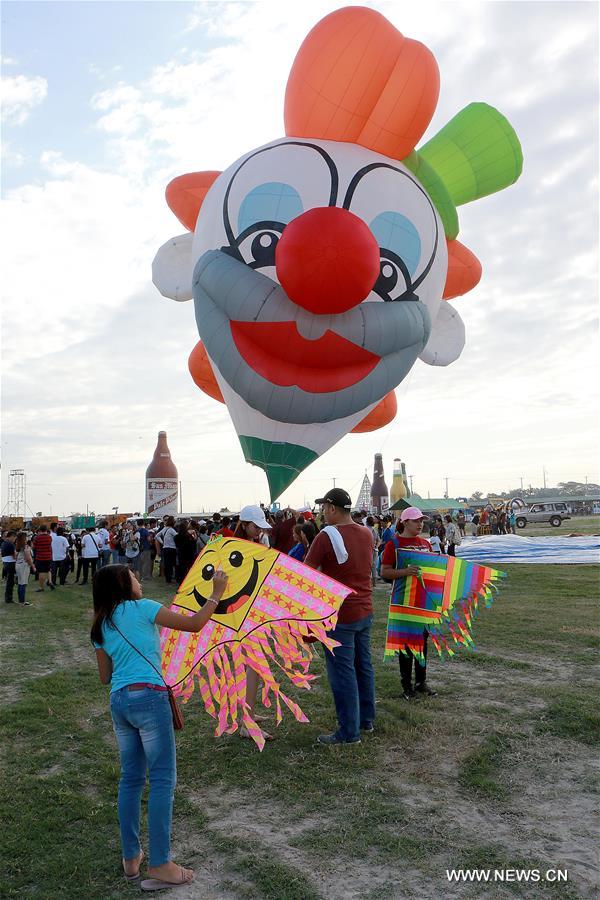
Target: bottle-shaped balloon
(379,493)
(405,480)
(161,481)
(398,491)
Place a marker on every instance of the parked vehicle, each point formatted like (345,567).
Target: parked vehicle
(554,513)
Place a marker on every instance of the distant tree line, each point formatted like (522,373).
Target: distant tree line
(563,488)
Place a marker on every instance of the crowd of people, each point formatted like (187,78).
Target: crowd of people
(168,549)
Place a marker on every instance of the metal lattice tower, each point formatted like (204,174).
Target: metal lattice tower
(16,493)
(364,497)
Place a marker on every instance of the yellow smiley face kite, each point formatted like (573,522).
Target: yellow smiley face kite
(272,603)
(246,566)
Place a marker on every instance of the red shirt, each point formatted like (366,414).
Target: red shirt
(282,536)
(225,532)
(42,544)
(355,573)
(405,543)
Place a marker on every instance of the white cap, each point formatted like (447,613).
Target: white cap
(254,514)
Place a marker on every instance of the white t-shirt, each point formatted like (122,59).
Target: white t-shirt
(132,544)
(435,543)
(60,545)
(166,537)
(89,546)
(102,537)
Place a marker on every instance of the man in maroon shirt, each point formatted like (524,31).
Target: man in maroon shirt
(282,536)
(344,551)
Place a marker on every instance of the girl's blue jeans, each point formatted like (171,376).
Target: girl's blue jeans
(143,724)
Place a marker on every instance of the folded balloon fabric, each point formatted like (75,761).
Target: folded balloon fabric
(444,599)
(271,603)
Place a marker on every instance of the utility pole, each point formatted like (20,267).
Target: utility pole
(446,479)
(410,478)
(334,482)
(521,482)
(544,474)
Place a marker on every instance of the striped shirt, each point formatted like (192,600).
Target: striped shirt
(42,544)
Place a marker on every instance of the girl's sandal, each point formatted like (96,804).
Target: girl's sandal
(137,875)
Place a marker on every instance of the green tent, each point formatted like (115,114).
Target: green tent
(439,505)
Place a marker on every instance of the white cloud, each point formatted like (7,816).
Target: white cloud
(20,95)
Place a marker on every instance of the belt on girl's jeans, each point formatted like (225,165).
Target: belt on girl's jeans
(143,684)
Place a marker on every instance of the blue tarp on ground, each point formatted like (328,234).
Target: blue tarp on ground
(512,548)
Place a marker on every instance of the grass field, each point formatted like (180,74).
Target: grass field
(499,771)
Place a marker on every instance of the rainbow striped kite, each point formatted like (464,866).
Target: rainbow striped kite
(271,604)
(444,599)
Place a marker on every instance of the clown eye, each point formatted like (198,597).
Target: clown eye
(208,572)
(236,559)
(256,244)
(394,281)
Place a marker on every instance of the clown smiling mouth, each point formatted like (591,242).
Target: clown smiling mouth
(278,352)
(230,604)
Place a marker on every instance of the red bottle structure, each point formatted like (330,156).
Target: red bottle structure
(162,485)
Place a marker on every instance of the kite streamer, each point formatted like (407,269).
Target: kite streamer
(444,599)
(271,603)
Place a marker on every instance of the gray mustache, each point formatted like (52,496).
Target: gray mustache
(246,295)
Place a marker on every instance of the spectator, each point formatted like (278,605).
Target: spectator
(370,524)
(434,540)
(113,539)
(298,551)
(344,551)
(408,538)
(9,557)
(145,553)
(165,545)
(79,557)
(512,521)
(452,535)
(60,556)
(225,530)
(282,535)
(103,545)
(215,523)
(251,526)
(42,546)
(185,541)
(23,566)
(89,552)
(203,536)
(125,633)
(474,524)
(461,522)
(131,543)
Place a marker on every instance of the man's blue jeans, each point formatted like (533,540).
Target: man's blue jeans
(352,678)
(143,725)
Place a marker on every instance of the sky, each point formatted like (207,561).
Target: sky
(103,103)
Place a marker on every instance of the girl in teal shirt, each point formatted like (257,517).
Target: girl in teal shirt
(126,637)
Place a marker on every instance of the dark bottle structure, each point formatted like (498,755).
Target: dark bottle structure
(380,500)
(162,485)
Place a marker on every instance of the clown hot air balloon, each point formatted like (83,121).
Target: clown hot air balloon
(321,264)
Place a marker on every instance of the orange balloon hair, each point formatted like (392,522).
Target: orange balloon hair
(186,193)
(356,78)
(464,270)
(383,414)
(202,373)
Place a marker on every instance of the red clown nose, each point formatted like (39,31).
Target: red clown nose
(327,260)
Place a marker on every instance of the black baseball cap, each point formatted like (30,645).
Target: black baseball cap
(338,497)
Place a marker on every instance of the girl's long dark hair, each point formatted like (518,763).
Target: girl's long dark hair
(111,586)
